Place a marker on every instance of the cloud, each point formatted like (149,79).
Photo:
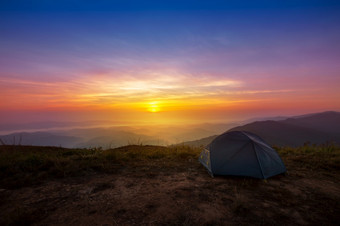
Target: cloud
(114,89)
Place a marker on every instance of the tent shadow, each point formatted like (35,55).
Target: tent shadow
(277,177)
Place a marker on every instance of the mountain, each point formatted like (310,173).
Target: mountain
(39,139)
(201,142)
(112,137)
(276,118)
(81,138)
(293,131)
(6,128)
(314,128)
(328,122)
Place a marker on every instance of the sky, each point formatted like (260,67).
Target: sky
(167,61)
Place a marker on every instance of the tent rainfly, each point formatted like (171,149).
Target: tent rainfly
(241,153)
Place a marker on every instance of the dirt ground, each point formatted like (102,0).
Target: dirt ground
(183,194)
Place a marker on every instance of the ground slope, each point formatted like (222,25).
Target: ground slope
(150,185)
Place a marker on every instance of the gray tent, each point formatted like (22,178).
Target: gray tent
(241,154)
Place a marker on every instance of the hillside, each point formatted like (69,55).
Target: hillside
(110,137)
(154,185)
(39,139)
(200,142)
(81,138)
(315,128)
(327,122)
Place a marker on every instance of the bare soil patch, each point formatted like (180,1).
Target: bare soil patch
(175,192)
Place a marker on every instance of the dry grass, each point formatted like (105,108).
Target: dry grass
(314,157)
(27,165)
(155,185)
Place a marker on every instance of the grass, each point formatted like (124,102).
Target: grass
(313,157)
(243,200)
(27,165)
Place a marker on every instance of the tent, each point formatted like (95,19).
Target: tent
(241,154)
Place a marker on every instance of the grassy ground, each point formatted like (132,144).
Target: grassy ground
(28,165)
(153,185)
(314,157)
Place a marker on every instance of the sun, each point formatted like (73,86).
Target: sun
(153,107)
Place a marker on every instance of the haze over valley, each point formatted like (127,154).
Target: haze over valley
(314,128)
(115,136)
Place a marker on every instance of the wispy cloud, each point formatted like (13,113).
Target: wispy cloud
(128,90)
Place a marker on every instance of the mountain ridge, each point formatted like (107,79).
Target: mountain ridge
(316,128)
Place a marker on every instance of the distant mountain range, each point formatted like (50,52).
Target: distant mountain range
(39,139)
(113,136)
(49,125)
(315,128)
(281,131)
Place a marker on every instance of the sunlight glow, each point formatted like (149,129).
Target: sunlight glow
(153,107)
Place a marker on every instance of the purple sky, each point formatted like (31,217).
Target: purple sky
(184,60)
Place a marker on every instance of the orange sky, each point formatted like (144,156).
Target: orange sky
(160,99)
(219,64)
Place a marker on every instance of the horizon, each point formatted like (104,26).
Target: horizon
(67,126)
(174,63)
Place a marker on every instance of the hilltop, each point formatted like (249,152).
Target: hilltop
(156,185)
